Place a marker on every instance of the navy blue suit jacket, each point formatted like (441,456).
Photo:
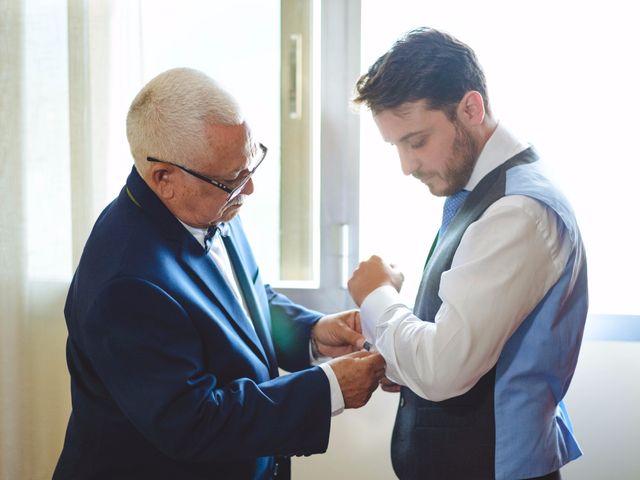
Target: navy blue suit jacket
(168,377)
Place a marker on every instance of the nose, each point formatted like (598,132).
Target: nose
(248,187)
(408,162)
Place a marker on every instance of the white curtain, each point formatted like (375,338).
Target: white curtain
(67,72)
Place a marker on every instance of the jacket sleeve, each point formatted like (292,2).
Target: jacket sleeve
(150,357)
(291,330)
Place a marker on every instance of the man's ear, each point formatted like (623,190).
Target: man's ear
(161,180)
(470,109)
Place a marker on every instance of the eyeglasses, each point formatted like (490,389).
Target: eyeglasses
(231,191)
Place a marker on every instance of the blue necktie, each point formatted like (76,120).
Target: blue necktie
(451,206)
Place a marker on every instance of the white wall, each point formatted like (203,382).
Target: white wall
(603,401)
(359,446)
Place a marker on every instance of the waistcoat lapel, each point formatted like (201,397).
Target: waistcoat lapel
(490,189)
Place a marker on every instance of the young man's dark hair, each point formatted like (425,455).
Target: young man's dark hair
(423,64)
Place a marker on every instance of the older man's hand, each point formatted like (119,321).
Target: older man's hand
(338,334)
(358,375)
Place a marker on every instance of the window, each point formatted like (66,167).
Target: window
(45,151)
(238,44)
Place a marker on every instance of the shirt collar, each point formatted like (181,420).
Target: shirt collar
(501,146)
(198,233)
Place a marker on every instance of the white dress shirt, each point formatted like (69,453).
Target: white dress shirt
(506,262)
(219,255)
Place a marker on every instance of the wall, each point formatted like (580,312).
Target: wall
(603,401)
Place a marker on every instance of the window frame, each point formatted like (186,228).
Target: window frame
(339,139)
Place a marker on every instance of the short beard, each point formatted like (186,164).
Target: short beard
(463,160)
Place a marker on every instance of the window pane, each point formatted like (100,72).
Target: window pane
(562,78)
(46,147)
(298,179)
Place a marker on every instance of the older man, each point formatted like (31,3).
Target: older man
(174,341)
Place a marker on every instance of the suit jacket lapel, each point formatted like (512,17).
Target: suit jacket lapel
(190,252)
(246,281)
(214,283)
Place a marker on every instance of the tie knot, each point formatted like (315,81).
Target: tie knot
(451,206)
(211,233)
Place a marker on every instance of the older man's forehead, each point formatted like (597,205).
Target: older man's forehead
(232,147)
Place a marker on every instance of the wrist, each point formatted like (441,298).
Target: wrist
(369,291)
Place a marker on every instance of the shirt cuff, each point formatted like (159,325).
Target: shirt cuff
(337,400)
(373,308)
(315,358)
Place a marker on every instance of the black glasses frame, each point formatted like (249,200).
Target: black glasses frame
(232,192)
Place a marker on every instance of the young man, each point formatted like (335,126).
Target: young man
(488,352)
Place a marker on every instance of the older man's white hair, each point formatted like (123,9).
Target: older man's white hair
(168,118)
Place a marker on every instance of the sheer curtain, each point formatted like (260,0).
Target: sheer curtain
(67,73)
